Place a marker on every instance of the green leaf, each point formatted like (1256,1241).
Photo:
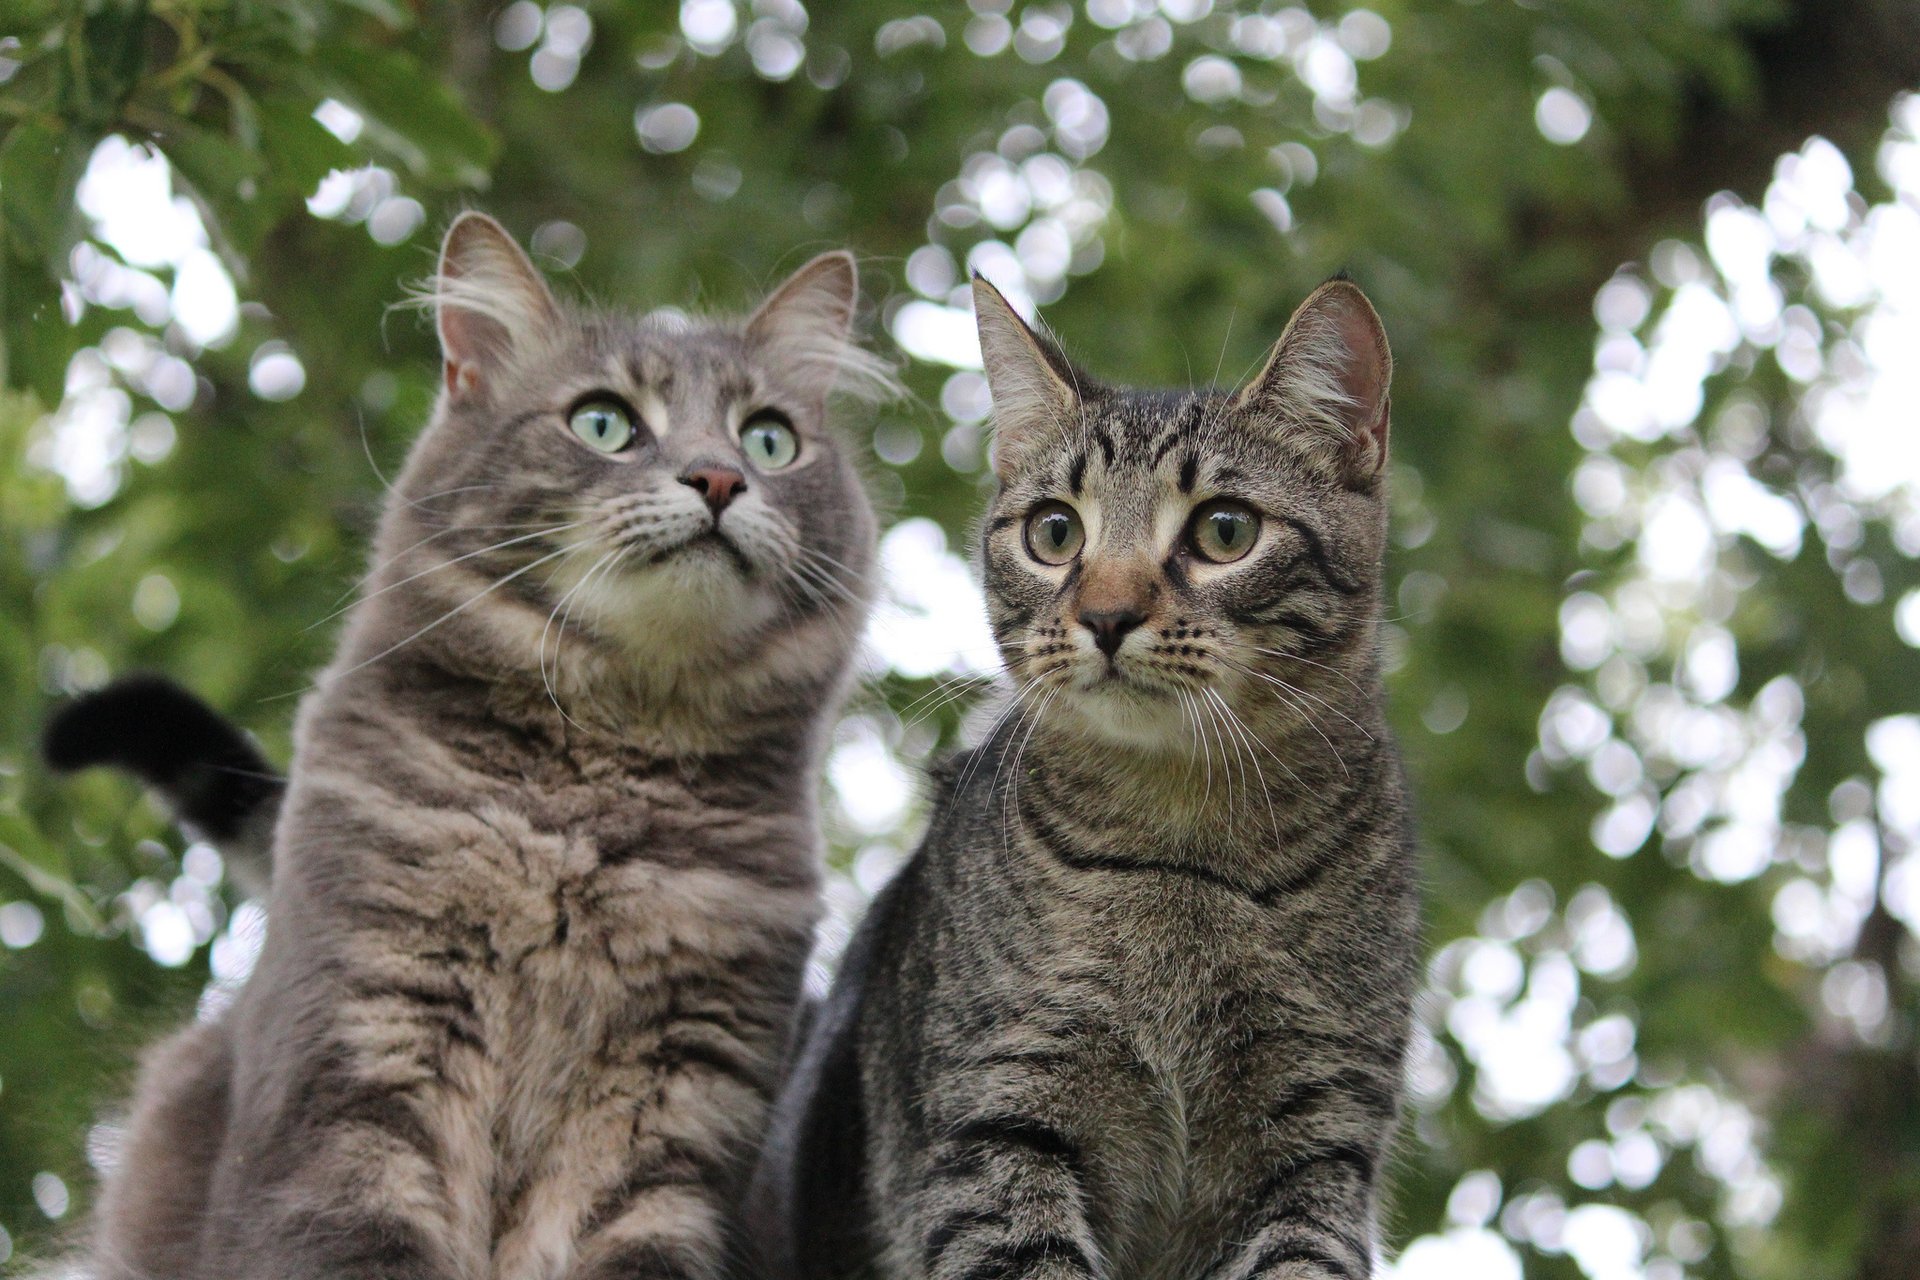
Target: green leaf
(112,54)
(38,341)
(40,167)
(410,114)
(223,178)
(303,150)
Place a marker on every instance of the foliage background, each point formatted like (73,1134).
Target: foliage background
(1652,273)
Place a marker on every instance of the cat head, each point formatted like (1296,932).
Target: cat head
(1164,568)
(605,497)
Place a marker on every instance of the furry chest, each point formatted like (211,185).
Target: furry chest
(617,1008)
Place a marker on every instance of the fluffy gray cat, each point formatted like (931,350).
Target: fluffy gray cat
(1138,1006)
(545,874)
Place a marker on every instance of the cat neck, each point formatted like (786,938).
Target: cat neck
(504,718)
(1228,788)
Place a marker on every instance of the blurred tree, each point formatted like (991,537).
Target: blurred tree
(1653,672)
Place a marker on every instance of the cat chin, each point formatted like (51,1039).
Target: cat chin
(1130,715)
(677,609)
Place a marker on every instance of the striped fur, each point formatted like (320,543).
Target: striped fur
(546,871)
(1137,1008)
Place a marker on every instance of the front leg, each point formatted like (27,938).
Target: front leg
(362,1195)
(662,1159)
(1311,1215)
(1005,1199)
(662,1225)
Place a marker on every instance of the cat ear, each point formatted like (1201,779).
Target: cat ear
(1032,384)
(1328,376)
(805,329)
(488,301)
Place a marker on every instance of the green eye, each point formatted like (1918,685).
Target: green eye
(1224,531)
(769,440)
(1054,533)
(602,424)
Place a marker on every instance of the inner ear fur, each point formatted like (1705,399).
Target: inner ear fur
(490,303)
(806,328)
(1327,379)
(1036,392)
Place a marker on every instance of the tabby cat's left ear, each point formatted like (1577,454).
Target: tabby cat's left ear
(1034,395)
(489,302)
(1327,377)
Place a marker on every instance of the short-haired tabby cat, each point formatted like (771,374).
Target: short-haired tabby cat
(1137,1007)
(545,874)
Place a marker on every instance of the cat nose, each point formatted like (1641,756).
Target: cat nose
(717,484)
(1110,626)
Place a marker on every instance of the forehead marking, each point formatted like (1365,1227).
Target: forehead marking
(649,392)
(653,409)
(1180,429)
(1105,442)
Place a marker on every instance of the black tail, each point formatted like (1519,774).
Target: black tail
(219,786)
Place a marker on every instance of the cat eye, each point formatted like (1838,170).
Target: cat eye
(769,440)
(603,424)
(1054,533)
(1224,531)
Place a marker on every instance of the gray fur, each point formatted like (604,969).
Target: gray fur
(1137,1008)
(545,876)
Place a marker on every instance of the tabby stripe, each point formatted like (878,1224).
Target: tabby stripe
(948,1228)
(1286,1251)
(1054,842)
(1077,473)
(1296,1220)
(677,1169)
(1039,1058)
(1346,1155)
(1034,1135)
(1305,878)
(733,1062)
(1317,548)
(1316,635)
(1105,441)
(646,1260)
(454,999)
(1011,1261)
(385,1246)
(1353,1085)
(329,1099)
(1182,429)
(1352,834)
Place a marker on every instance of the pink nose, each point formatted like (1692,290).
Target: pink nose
(717,485)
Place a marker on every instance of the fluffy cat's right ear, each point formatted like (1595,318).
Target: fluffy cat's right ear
(1031,381)
(488,301)
(805,328)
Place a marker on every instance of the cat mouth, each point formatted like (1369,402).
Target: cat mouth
(1111,679)
(711,541)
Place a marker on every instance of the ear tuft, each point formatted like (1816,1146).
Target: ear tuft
(1328,376)
(489,302)
(806,327)
(1035,391)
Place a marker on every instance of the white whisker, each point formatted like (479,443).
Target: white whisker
(435,568)
(458,609)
